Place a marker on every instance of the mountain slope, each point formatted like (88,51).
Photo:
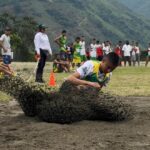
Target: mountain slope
(141,7)
(99,18)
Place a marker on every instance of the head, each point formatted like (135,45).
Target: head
(64,33)
(120,43)
(97,42)
(94,41)
(7,30)
(109,62)
(133,43)
(77,39)
(82,38)
(42,28)
(137,44)
(127,43)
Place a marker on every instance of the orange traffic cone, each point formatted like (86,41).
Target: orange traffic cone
(52,82)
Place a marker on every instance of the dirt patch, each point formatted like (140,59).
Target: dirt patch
(18,132)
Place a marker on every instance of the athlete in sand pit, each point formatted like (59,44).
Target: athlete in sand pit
(94,73)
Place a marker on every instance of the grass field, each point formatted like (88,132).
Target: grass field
(126,81)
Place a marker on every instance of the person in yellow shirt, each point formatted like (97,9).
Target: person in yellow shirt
(94,73)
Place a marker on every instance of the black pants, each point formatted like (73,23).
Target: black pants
(41,64)
(127,59)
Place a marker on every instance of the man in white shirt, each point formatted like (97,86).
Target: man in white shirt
(106,48)
(127,48)
(93,47)
(5,46)
(82,52)
(43,49)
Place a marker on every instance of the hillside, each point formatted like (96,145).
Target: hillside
(138,6)
(101,19)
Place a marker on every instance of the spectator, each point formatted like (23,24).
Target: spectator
(118,51)
(148,55)
(7,54)
(82,52)
(43,49)
(106,48)
(62,43)
(99,51)
(133,53)
(60,65)
(137,49)
(93,50)
(76,55)
(127,53)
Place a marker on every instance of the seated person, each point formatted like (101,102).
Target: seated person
(94,73)
(60,65)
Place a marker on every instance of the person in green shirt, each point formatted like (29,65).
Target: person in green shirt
(62,43)
(76,55)
(95,73)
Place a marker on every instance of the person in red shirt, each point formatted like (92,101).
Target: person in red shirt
(99,51)
(118,51)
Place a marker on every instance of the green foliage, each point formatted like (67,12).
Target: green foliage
(102,19)
(23,30)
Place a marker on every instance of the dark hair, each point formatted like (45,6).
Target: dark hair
(64,31)
(77,38)
(97,42)
(7,29)
(113,58)
(127,42)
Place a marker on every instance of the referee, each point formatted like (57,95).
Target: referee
(43,49)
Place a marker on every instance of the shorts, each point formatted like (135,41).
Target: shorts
(76,60)
(7,59)
(83,58)
(133,58)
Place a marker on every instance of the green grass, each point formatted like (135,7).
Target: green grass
(126,81)
(130,81)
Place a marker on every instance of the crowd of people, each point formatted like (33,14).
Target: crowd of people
(76,53)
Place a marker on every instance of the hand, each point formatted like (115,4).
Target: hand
(95,84)
(50,53)
(37,56)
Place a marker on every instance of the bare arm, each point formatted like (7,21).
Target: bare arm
(57,40)
(75,78)
(1,45)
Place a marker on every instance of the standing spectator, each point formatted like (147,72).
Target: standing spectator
(82,52)
(133,53)
(106,48)
(118,51)
(93,50)
(88,53)
(43,49)
(76,55)
(137,49)
(127,53)
(7,54)
(62,43)
(6,46)
(148,56)
(99,51)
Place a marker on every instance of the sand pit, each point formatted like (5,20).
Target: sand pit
(70,104)
(18,132)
